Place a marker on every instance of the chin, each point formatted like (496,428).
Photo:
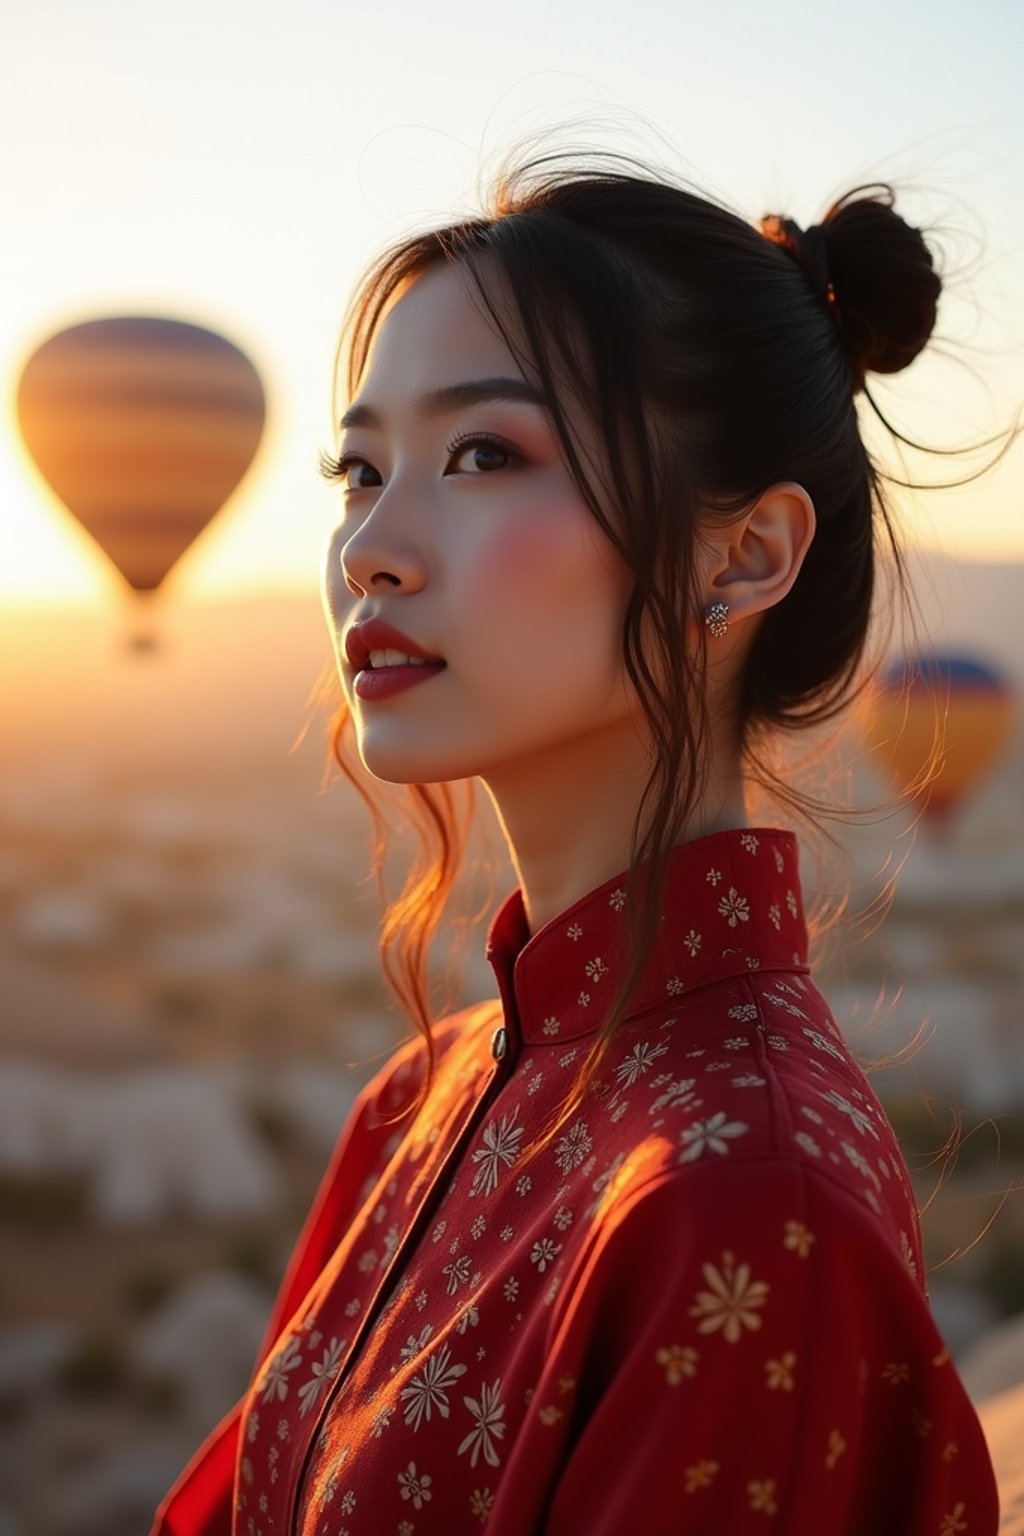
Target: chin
(396,767)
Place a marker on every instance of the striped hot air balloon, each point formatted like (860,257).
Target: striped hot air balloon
(143,426)
(959,705)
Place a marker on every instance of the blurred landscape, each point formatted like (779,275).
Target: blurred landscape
(190,997)
(190,994)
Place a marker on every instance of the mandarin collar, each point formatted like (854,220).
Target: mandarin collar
(732,904)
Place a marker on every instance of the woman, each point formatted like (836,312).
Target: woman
(633,1249)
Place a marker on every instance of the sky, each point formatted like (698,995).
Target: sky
(237,166)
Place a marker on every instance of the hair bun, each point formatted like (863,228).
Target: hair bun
(887,288)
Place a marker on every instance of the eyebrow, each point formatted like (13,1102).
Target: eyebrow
(451,397)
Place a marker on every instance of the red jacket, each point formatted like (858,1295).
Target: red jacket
(702,1311)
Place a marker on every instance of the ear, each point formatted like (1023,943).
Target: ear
(754,561)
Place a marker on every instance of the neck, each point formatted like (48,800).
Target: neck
(568,823)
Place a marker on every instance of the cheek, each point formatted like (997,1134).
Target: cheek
(520,552)
(541,587)
(551,548)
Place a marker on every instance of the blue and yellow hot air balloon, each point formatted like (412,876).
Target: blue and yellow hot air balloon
(959,707)
(143,426)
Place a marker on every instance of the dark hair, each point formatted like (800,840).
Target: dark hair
(713,359)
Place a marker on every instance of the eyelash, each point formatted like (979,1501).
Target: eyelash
(336,469)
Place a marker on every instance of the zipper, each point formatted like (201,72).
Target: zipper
(505,1056)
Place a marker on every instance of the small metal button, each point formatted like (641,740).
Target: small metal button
(499,1043)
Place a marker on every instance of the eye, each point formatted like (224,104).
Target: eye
(458,445)
(337,469)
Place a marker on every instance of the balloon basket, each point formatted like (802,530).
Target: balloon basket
(142,630)
(142,642)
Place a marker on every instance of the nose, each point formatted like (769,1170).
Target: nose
(336,592)
(371,557)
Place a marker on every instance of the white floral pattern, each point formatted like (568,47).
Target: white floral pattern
(429,1389)
(711,1135)
(501,1148)
(573,1147)
(322,1371)
(734,908)
(487,1411)
(405,1420)
(275,1382)
(639,1060)
(678,1095)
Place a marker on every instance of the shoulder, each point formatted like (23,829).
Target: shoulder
(379,1118)
(755,1319)
(456,1041)
(746,1087)
(769,1226)
(832,1117)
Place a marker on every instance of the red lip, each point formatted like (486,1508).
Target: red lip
(374,634)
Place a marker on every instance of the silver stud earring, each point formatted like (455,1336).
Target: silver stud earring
(716,617)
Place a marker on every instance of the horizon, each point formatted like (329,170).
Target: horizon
(258,224)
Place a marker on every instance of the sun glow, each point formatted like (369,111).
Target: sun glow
(257,223)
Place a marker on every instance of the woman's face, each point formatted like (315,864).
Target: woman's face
(484,554)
